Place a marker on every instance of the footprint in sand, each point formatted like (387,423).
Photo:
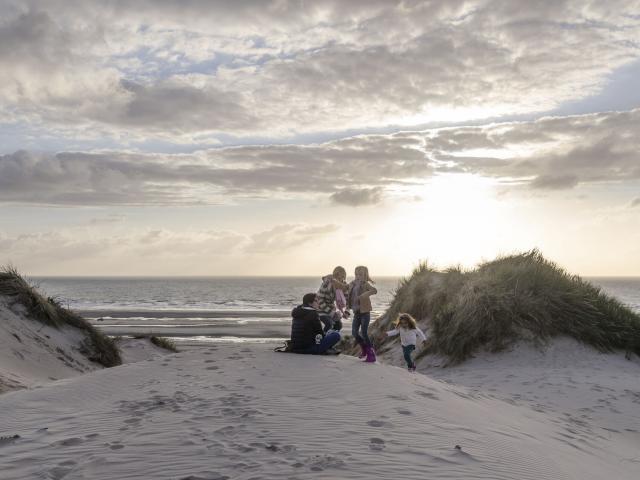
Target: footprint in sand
(378,423)
(209,361)
(376,444)
(208,476)
(318,463)
(227,431)
(402,411)
(398,397)
(59,472)
(430,395)
(116,446)
(213,368)
(69,442)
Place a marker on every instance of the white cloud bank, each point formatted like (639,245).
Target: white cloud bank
(548,154)
(181,70)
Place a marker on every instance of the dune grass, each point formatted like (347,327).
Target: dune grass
(162,342)
(99,347)
(517,297)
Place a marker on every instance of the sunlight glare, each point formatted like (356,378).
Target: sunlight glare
(455,222)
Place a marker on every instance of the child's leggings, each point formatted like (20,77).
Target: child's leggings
(407,349)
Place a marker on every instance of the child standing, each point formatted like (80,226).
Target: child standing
(360,290)
(408,329)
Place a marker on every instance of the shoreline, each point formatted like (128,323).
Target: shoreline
(180,313)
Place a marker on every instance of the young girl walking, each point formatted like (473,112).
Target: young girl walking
(408,330)
(360,291)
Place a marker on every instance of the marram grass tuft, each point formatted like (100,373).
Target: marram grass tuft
(99,347)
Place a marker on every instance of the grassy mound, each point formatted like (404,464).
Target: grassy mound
(99,348)
(518,297)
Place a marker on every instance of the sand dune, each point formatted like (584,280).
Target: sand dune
(33,353)
(249,413)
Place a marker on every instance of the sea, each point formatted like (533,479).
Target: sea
(198,310)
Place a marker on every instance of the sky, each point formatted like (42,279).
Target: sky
(279,137)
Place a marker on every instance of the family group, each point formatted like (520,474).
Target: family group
(316,323)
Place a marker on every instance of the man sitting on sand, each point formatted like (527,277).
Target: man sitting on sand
(306,330)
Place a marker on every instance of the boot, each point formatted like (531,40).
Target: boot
(371,355)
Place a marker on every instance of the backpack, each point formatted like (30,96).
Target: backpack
(286,348)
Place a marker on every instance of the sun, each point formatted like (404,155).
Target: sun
(454,219)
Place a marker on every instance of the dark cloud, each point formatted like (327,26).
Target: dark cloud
(179,107)
(357,197)
(33,38)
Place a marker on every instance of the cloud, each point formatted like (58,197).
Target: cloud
(118,178)
(107,220)
(550,182)
(42,250)
(551,153)
(281,238)
(357,197)
(177,69)
(635,202)
(177,106)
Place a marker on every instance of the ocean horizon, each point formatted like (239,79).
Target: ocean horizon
(221,308)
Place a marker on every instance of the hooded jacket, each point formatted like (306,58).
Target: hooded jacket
(304,327)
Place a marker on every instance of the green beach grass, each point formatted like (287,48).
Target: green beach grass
(162,342)
(513,298)
(100,348)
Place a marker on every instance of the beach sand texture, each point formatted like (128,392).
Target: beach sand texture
(246,412)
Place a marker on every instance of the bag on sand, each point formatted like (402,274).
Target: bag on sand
(287,347)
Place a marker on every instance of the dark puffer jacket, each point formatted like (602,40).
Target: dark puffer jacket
(304,327)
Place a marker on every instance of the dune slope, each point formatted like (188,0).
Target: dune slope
(247,413)
(32,352)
